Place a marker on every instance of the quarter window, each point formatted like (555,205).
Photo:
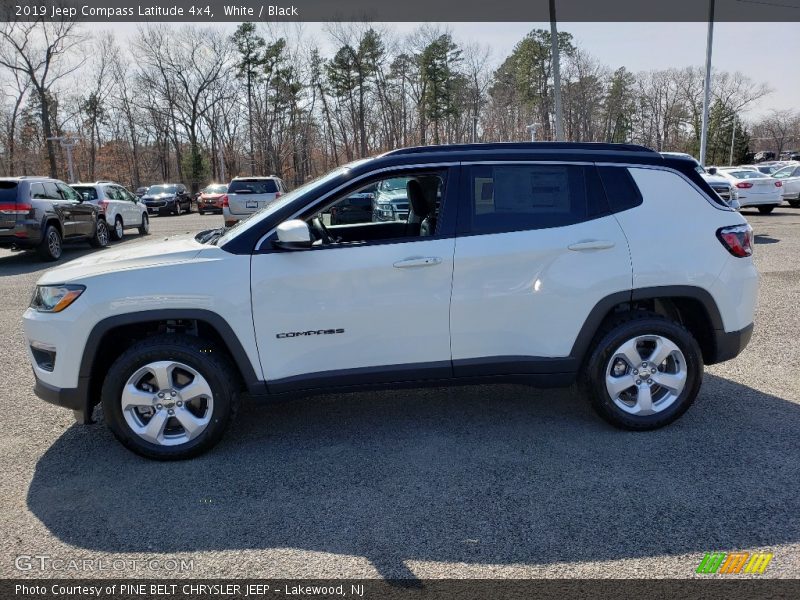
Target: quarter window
(621,189)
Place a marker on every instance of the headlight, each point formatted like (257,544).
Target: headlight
(386,209)
(55,298)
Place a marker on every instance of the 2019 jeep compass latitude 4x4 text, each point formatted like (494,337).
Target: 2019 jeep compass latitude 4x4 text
(541,263)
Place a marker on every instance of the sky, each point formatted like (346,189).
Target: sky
(765,52)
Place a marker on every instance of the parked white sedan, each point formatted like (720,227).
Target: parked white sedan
(789,177)
(754,189)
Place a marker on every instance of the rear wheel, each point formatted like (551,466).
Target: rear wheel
(119,229)
(765,210)
(794,203)
(644,372)
(169,397)
(51,246)
(144,228)
(101,235)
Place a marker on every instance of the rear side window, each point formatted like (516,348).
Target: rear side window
(256,186)
(523,197)
(88,192)
(8,191)
(621,190)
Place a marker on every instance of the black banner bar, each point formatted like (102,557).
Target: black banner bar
(707,588)
(447,11)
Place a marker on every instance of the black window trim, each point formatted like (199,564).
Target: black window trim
(446,222)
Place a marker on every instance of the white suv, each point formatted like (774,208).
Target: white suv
(122,209)
(540,263)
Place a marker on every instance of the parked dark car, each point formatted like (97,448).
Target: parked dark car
(763,156)
(356,208)
(168,199)
(391,200)
(39,213)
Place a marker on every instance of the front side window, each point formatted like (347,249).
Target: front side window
(68,193)
(384,209)
(522,197)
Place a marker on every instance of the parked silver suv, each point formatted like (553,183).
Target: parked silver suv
(247,195)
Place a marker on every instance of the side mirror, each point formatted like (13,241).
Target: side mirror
(711,170)
(294,235)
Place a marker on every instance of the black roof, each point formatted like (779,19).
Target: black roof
(524,146)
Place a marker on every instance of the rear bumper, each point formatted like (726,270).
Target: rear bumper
(729,344)
(23,235)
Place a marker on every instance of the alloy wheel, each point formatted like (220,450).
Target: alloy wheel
(646,375)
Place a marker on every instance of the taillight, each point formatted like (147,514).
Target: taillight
(738,240)
(225,200)
(278,194)
(744,185)
(103,204)
(778,184)
(14,208)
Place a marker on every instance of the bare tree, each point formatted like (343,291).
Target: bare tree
(39,50)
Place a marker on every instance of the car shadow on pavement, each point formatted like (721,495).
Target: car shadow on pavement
(483,475)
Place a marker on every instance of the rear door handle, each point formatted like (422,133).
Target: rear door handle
(591,245)
(423,261)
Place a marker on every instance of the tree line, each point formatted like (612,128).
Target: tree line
(200,104)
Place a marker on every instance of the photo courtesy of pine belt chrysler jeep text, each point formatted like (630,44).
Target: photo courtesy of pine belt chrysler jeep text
(542,263)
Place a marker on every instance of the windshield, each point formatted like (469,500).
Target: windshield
(219,188)
(272,208)
(389,185)
(161,189)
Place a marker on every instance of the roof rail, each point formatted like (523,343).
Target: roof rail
(541,146)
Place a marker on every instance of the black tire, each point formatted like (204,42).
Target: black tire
(144,228)
(765,210)
(198,354)
(202,212)
(52,246)
(794,203)
(101,235)
(610,338)
(118,231)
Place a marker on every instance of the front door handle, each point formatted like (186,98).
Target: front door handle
(591,245)
(422,261)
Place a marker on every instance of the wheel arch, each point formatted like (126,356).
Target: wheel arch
(110,337)
(692,306)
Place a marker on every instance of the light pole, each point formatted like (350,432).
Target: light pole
(707,85)
(532,128)
(556,72)
(733,140)
(68,144)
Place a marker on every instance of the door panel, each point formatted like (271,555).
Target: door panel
(539,251)
(526,294)
(342,308)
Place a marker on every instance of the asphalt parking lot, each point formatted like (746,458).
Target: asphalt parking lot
(491,481)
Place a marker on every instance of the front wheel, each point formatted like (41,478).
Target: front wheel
(169,397)
(144,228)
(644,372)
(765,210)
(100,239)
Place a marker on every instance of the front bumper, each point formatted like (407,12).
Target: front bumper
(75,399)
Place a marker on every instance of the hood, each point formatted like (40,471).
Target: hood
(158,196)
(718,179)
(172,250)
